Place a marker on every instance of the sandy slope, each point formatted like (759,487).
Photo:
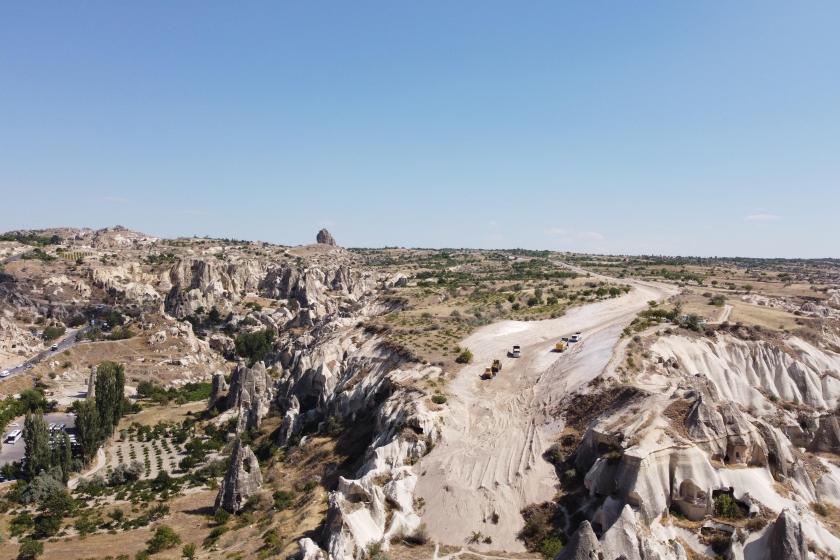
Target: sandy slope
(489,460)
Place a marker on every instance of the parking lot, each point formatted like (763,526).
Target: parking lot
(10,453)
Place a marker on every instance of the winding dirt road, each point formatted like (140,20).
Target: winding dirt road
(488,464)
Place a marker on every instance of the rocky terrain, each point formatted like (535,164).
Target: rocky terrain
(342,393)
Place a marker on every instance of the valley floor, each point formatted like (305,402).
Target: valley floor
(488,465)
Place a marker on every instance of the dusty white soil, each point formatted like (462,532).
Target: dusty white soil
(489,460)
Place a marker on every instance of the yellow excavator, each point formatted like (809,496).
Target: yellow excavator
(560,346)
(490,373)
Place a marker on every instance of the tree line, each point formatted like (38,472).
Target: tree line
(96,420)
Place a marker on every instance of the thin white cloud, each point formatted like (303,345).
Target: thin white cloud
(762,217)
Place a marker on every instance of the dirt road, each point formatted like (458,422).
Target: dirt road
(489,465)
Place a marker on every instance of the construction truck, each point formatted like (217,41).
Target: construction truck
(488,373)
(496,367)
(560,346)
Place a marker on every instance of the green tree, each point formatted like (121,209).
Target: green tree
(107,396)
(254,345)
(119,389)
(33,400)
(62,456)
(87,428)
(36,437)
(30,549)
(163,538)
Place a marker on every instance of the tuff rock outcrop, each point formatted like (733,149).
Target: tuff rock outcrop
(291,422)
(583,545)
(827,438)
(242,480)
(786,540)
(128,281)
(223,344)
(219,388)
(251,394)
(200,283)
(324,237)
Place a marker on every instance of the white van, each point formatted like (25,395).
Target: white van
(13,436)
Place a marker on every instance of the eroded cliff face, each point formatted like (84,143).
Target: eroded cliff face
(330,370)
(711,417)
(205,283)
(752,372)
(313,291)
(350,376)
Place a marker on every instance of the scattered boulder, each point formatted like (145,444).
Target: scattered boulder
(324,237)
(243,479)
(787,541)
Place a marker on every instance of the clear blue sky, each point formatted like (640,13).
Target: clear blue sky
(708,128)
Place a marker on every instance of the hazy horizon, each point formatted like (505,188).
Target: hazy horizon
(656,128)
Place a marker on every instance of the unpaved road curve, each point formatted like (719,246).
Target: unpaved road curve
(488,464)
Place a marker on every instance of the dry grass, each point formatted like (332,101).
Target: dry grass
(187,518)
(766,317)
(151,415)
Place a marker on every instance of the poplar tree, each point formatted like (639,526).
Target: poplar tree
(36,437)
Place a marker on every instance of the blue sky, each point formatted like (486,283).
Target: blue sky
(702,128)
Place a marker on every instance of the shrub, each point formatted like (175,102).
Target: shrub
(717,300)
(727,507)
(465,357)
(283,499)
(375,552)
(555,455)
(188,552)
(550,547)
(819,509)
(215,535)
(30,549)
(121,333)
(163,538)
(53,332)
